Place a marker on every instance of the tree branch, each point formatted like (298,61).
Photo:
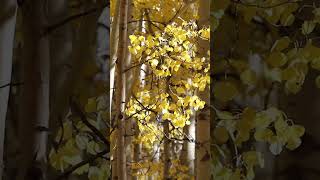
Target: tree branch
(10,84)
(53,27)
(76,110)
(264,7)
(82,163)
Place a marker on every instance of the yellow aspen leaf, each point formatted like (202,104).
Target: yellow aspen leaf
(248,77)
(293,87)
(263,135)
(180,90)
(277,59)
(290,73)
(281,44)
(293,143)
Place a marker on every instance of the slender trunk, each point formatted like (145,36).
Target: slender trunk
(166,151)
(187,156)
(7,31)
(35,93)
(113,51)
(114,35)
(203,122)
(131,78)
(120,89)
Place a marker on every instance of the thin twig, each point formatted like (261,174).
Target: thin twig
(264,7)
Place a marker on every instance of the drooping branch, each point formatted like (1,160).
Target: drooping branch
(76,110)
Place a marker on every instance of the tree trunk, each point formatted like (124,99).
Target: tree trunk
(34,117)
(203,170)
(187,156)
(120,90)
(60,55)
(7,31)
(166,151)
(131,78)
(114,34)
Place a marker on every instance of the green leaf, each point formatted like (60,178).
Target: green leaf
(81,170)
(81,141)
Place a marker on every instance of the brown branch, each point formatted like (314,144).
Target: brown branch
(76,110)
(71,18)
(10,84)
(264,7)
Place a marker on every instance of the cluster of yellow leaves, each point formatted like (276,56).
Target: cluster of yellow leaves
(170,54)
(177,72)
(147,168)
(163,11)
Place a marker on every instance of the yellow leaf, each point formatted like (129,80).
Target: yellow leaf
(180,90)
(248,77)
(263,135)
(277,59)
(281,44)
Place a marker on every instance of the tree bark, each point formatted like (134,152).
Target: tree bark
(114,34)
(7,31)
(166,151)
(34,119)
(120,90)
(187,156)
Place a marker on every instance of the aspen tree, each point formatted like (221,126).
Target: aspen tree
(34,119)
(7,30)
(120,90)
